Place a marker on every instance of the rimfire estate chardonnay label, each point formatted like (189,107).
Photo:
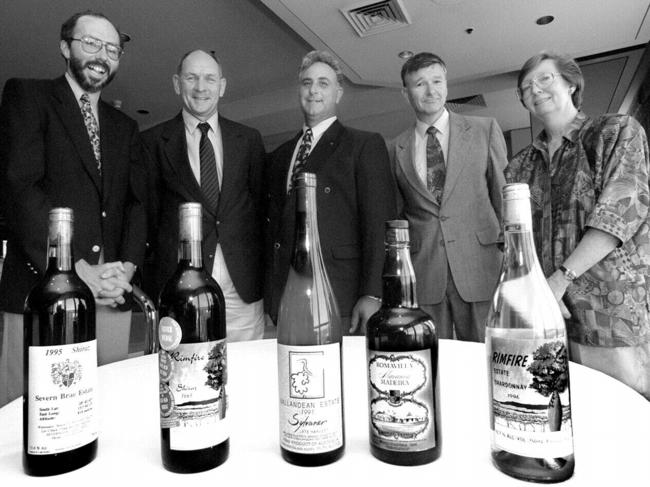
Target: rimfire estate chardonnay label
(62,402)
(530,395)
(401,400)
(311,419)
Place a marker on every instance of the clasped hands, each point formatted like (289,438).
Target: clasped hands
(108,282)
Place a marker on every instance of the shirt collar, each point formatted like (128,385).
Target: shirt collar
(78,91)
(191,122)
(442,124)
(571,133)
(320,128)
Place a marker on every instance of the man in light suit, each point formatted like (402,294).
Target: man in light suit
(355,196)
(232,216)
(450,181)
(62,146)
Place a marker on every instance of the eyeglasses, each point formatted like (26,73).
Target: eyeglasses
(542,80)
(91,45)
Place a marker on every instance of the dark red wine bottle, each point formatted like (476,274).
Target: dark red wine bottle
(402,354)
(192,358)
(309,347)
(60,362)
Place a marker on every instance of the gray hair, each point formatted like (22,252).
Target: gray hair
(324,57)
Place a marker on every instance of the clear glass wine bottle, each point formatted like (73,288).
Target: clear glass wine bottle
(527,358)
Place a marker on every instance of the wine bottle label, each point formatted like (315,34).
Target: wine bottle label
(529,381)
(401,400)
(61,397)
(311,398)
(193,400)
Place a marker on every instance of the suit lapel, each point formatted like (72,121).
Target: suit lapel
(405,154)
(458,139)
(324,148)
(70,114)
(178,163)
(230,142)
(108,134)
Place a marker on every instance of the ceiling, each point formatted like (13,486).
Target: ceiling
(260,44)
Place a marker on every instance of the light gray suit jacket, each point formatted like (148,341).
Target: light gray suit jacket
(462,233)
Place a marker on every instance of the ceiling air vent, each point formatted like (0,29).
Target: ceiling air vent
(376,17)
(466,103)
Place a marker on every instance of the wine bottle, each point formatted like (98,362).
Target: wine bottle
(60,362)
(192,358)
(527,358)
(402,355)
(309,347)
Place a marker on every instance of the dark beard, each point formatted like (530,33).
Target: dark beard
(77,66)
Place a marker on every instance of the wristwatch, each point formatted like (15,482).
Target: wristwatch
(568,273)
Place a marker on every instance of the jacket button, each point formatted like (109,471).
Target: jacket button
(443,218)
(218,222)
(103,214)
(96,248)
(276,245)
(327,190)
(442,243)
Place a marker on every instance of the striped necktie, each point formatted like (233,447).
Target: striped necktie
(209,174)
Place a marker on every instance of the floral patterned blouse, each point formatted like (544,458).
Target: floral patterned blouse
(597,178)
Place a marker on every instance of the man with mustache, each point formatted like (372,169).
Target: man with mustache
(355,196)
(449,172)
(62,146)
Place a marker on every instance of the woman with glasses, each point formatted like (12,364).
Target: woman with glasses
(588,179)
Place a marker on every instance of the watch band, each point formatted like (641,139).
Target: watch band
(568,273)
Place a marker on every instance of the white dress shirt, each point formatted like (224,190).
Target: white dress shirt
(193,138)
(78,91)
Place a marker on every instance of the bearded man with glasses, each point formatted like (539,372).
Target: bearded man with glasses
(62,146)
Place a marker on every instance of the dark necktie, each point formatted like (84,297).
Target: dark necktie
(301,157)
(92,127)
(435,165)
(209,174)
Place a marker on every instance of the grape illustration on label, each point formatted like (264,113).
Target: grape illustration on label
(307,375)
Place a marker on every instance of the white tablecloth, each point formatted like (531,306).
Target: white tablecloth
(611,428)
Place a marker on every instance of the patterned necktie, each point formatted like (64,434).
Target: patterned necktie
(435,165)
(92,127)
(301,158)
(209,174)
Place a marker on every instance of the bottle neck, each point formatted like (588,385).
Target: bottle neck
(520,256)
(59,256)
(307,242)
(190,254)
(398,278)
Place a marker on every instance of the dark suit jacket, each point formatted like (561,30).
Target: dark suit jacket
(47,161)
(237,224)
(355,196)
(462,232)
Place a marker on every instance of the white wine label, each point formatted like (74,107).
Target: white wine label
(311,398)
(61,397)
(169,333)
(193,400)
(529,389)
(401,400)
